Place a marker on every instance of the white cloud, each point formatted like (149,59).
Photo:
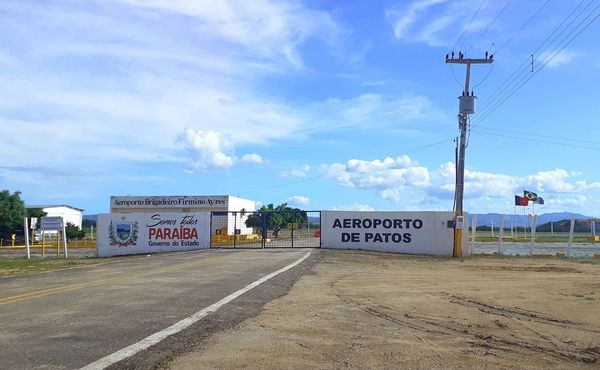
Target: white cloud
(393,194)
(481,184)
(154,112)
(265,28)
(403,180)
(252,158)
(389,176)
(208,149)
(557,181)
(354,207)
(212,150)
(206,61)
(301,171)
(373,109)
(203,72)
(440,22)
(554,60)
(494,185)
(576,201)
(299,200)
(433,22)
(404,19)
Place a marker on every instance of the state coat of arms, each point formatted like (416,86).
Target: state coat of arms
(123,233)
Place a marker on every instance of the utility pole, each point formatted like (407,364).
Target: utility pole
(466,107)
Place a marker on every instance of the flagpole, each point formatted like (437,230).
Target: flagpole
(525,223)
(512,227)
(524,216)
(512,224)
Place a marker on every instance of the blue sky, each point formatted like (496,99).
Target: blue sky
(322,104)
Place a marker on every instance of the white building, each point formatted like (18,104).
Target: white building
(68,213)
(229,211)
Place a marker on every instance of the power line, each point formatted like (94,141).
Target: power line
(541,147)
(489,25)
(538,69)
(548,59)
(523,26)
(453,75)
(461,36)
(512,77)
(528,139)
(563,22)
(469,24)
(479,128)
(486,76)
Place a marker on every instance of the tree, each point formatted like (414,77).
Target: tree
(73,232)
(12,213)
(37,213)
(277,217)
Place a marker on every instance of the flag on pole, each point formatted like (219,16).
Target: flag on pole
(530,195)
(521,201)
(539,200)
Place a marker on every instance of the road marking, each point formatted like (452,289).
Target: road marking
(121,278)
(183,324)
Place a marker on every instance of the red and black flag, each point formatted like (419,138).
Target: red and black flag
(530,195)
(521,201)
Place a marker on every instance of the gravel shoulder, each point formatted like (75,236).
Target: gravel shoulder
(373,310)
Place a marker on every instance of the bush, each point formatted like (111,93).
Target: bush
(74,232)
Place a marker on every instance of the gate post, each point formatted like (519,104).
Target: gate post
(234,227)
(263,216)
(210,230)
(320,229)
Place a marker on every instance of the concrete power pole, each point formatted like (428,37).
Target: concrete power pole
(466,107)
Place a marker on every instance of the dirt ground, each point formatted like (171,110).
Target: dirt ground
(383,311)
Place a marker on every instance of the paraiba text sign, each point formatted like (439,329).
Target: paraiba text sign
(157,202)
(400,232)
(134,233)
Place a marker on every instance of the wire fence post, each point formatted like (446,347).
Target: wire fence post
(501,235)
(571,235)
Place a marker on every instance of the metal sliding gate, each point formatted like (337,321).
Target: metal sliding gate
(269,229)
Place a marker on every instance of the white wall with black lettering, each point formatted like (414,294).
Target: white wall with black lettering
(399,232)
(135,233)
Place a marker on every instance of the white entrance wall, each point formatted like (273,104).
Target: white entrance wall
(135,233)
(399,232)
(222,205)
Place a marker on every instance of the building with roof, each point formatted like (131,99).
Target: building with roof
(68,213)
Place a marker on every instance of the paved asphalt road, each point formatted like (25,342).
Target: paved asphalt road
(71,318)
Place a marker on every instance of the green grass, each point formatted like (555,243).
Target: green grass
(588,260)
(22,265)
(542,237)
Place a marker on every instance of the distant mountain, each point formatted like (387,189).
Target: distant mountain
(90,217)
(521,220)
(581,226)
